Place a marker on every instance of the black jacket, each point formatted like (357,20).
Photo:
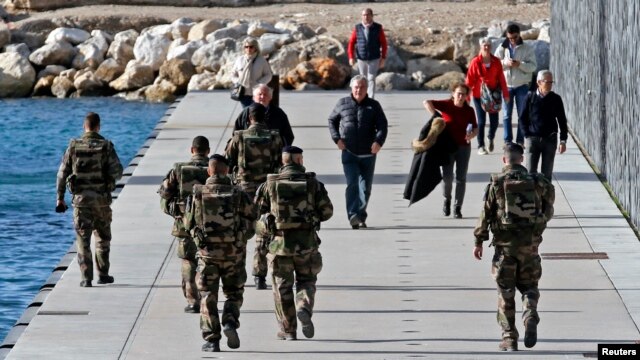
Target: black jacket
(275,119)
(358,125)
(542,116)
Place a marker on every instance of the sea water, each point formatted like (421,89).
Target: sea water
(33,136)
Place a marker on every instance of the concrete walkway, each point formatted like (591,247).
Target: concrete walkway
(406,287)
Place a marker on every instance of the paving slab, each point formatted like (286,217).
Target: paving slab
(406,287)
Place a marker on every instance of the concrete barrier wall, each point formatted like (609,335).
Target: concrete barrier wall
(596,65)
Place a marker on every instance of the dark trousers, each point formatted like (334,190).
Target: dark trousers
(461,161)
(541,147)
(359,174)
(482,118)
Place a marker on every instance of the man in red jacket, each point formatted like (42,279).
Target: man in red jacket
(370,45)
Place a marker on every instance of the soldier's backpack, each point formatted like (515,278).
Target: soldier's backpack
(188,175)
(293,203)
(88,157)
(217,211)
(522,204)
(255,151)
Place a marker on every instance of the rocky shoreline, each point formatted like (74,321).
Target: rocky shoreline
(161,61)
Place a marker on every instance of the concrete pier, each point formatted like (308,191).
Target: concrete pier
(406,287)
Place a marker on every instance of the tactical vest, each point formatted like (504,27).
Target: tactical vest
(189,174)
(293,201)
(88,158)
(255,151)
(519,204)
(217,209)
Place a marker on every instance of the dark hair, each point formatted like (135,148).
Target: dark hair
(513,29)
(257,112)
(201,144)
(460,84)
(92,120)
(218,164)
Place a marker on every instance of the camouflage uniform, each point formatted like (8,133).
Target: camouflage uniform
(172,204)
(90,167)
(251,170)
(293,252)
(516,262)
(222,253)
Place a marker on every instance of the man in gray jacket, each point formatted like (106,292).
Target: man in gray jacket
(518,63)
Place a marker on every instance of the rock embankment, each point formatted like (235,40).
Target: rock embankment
(162,61)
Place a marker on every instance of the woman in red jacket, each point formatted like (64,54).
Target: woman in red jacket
(486,68)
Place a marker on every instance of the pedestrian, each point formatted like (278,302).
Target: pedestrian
(253,154)
(174,191)
(221,218)
(517,207)
(293,250)
(461,125)
(358,126)
(250,69)
(518,63)
(275,117)
(486,70)
(542,115)
(368,45)
(90,168)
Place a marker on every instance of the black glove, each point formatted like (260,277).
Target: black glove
(61,208)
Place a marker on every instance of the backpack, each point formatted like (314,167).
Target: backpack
(88,157)
(293,200)
(217,211)
(188,175)
(522,204)
(490,100)
(256,151)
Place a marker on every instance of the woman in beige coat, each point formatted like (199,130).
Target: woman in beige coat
(250,70)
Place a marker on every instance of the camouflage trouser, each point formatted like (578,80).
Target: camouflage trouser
(233,275)
(187,252)
(260,264)
(517,267)
(96,221)
(303,269)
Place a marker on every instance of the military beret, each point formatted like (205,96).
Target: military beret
(513,151)
(292,150)
(200,142)
(218,157)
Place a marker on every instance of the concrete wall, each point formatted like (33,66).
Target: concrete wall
(595,59)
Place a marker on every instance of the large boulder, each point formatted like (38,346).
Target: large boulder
(62,87)
(298,31)
(269,42)
(201,82)
(212,56)
(543,34)
(109,70)
(443,52)
(20,48)
(431,67)
(32,39)
(394,62)
(54,70)
(87,83)
(16,75)
(91,53)
(43,86)
(467,46)
(180,28)
(5,34)
(394,81)
(178,72)
(321,46)
(200,30)
(258,27)
(70,35)
(444,81)
(159,30)
(283,61)
(136,75)
(59,53)
(161,91)
(121,48)
(184,51)
(543,54)
(324,72)
(234,32)
(151,50)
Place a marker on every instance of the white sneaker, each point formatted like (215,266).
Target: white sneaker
(482,151)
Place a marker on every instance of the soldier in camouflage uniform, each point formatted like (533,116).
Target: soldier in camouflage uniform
(174,190)
(90,168)
(293,203)
(221,217)
(517,207)
(252,154)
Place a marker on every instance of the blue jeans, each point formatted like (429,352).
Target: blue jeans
(359,174)
(519,95)
(482,118)
(246,100)
(541,147)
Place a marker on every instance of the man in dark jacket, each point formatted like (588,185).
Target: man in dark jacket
(359,127)
(275,118)
(543,113)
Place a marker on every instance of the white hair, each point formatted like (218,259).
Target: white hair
(542,74)
(484,40)
(356,79)
(260,87)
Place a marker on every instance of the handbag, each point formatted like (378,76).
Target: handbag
(237,91)
(490,99)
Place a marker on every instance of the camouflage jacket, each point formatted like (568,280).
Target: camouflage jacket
(170,202)
(287,240)
(104,174)
(222,245)
(494,203)
(255,172)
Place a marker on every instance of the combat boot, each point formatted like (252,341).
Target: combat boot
(192,309)
(105,279)
(211,346)
(457,212)
(261,282)
(85,283)
(286,336)
(530,332)
(508,344)
(307,325)
(233,341)
(446,208)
